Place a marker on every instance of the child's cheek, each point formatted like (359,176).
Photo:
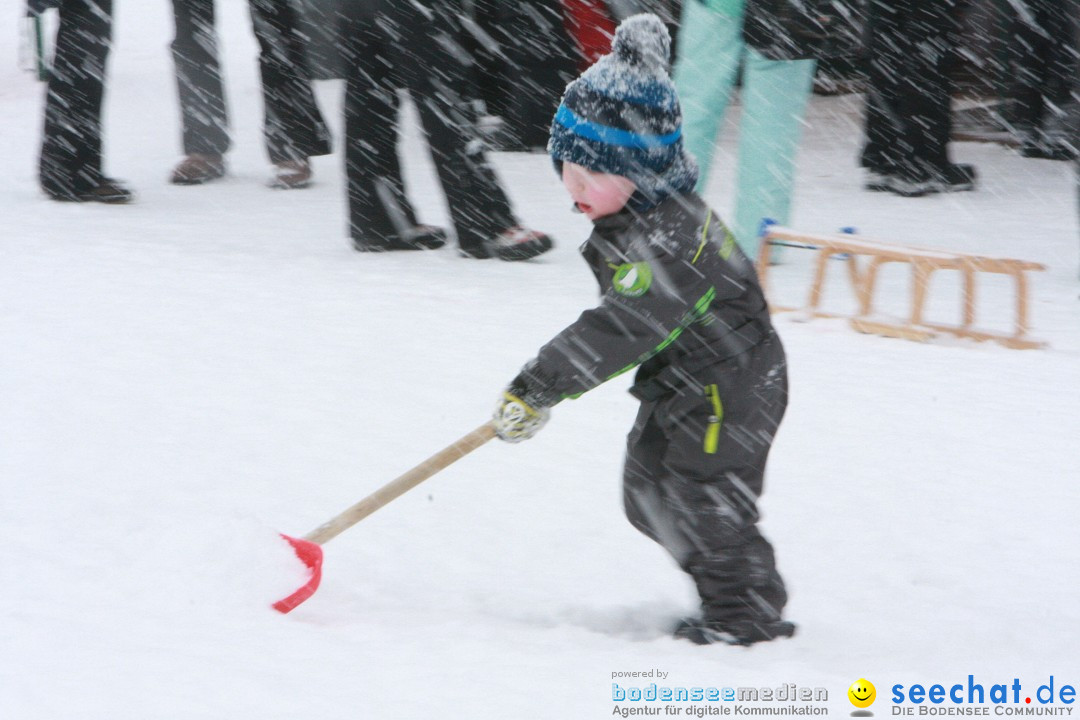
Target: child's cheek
(610,200)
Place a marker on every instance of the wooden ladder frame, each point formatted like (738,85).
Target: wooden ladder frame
(924,262)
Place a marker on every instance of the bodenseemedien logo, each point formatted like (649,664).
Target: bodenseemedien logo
(862,695)
(699,701)
(632,279)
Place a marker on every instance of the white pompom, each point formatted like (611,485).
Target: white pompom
(643,40)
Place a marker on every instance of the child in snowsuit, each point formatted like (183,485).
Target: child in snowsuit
(682,303)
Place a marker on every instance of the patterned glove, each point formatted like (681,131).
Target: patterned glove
(516,420)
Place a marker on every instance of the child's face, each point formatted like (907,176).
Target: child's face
(596,194)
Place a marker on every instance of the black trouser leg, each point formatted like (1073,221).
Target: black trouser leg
(479,209)
(294,127)
(908,119)
(1043,59)
(203,113)
(437,73)
(378,206)
(698,500)
(70,161)
(401,48)
(538,65)
(883,125)
(925,98)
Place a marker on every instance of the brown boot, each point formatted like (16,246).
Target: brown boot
(108,190)
(518,243)
(291,175)
(197,168)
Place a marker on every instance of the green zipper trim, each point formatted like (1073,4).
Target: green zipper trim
(700,307)
(712,433)
(699,310)
(704,238)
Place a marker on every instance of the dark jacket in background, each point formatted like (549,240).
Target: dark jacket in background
(803,29)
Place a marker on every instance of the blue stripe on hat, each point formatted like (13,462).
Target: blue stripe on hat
(612,136)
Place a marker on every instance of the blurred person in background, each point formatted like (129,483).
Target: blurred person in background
(293,126)
(1043,60)
(1075,104)
(775,46)
(417,47)
(70,166)
(591,23)
(910,53)
(524,58)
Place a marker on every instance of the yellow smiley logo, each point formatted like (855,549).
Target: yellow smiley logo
(862,693)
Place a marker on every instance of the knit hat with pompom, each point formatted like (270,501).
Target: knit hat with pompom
(622,115)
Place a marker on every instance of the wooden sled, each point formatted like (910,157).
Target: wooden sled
(924,262)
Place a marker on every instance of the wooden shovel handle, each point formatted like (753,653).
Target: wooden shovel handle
(393,489)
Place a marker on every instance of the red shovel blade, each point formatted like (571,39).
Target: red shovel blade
(311,555)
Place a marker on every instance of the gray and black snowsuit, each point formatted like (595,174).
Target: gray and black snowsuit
(683,304)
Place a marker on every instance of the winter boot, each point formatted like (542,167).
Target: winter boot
(420,237)
(877,181)
(291,175)
(1049,149)
(198,168)
(959,177)
(878,174)
(108,191)
(952,178)
(518,243)
(742,594)
(702,631)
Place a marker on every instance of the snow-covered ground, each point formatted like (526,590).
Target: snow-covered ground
(184,377)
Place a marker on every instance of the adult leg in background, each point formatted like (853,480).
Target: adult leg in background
(293,126)
(203,112)
(707,64)
(438,83)
(71,156)
(378,206)
(883,126)
(774,98)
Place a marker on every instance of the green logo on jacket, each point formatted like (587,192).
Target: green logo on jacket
(632,279)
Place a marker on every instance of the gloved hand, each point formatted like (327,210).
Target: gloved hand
(515,419)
